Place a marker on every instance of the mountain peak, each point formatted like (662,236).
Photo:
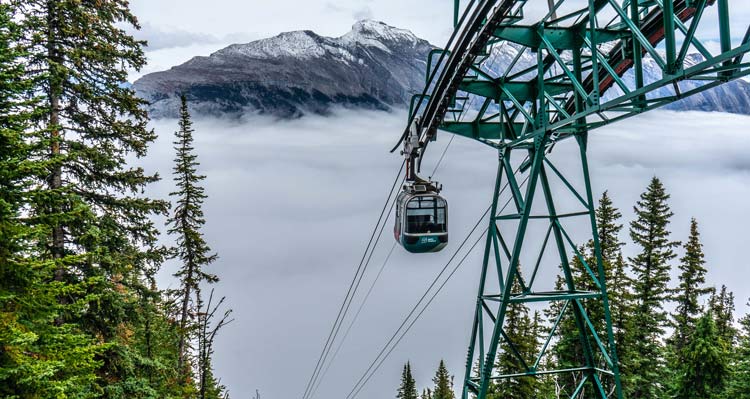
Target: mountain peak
(368,31)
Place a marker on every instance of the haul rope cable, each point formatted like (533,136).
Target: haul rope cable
(354,319)
(356,315)
(350,292)
(364,378)
(359,310)
(339,319)
(319,377)
(369,291)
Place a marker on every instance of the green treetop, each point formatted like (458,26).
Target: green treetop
(721,305)
(691,288)
(443,381)
(408,387)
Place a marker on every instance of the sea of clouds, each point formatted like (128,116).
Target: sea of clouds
(291,205)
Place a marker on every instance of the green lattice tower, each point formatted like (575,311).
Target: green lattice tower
(502,256)
(580,55)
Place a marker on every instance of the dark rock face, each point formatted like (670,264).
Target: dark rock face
(374,66)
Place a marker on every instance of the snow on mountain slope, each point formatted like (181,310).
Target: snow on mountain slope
(374,66)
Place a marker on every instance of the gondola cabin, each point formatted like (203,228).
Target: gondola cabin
(421,219)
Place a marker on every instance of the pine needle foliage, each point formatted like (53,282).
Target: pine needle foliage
(705,368)
(690,289)
(443,388)
(408,387)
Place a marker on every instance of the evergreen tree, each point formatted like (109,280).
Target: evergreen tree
(85,200)
(38,359)
(426,394)
(690,289)
(704,369)
(618,285)
(443,381)
(722,308)
(651,269)
(408,387)
(185,223)
(739,383)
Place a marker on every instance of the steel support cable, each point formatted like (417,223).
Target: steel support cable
(354,320)
(309,393)
(437,165)
(434,72)
(382,355)
(351,291)
(471,249)
(362,304)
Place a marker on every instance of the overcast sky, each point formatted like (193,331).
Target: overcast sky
(291,204)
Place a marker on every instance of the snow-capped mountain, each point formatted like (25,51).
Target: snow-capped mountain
(374,66)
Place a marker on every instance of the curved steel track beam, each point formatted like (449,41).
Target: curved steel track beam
(582,96)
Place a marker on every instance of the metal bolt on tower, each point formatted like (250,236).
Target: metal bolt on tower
(575,69)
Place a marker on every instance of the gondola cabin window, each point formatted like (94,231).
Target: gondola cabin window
(425,215)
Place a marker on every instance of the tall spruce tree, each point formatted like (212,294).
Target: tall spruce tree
(689,291)
(651,268)
(443,381)
(408,387)
(38,359)
(704,369)
(568,349)
(739,383)
(185,223)
(86,199)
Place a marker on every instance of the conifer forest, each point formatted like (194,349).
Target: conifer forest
(80,313)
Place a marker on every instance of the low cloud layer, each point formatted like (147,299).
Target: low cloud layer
(291,205)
